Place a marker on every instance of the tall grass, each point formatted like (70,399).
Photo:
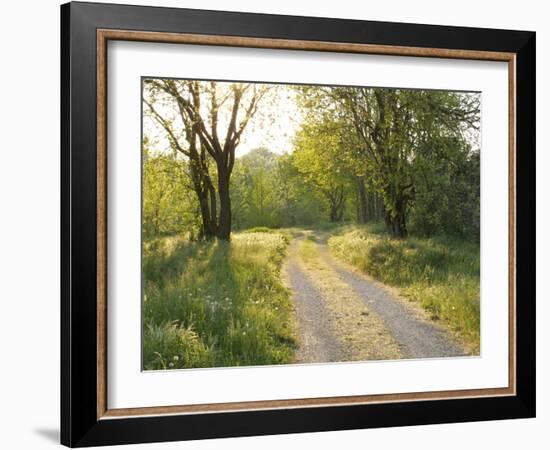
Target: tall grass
(215,304)
(441,274)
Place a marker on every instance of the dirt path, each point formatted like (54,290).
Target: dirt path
(317,341)
(343,315)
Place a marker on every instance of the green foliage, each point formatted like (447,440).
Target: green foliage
(409,156)
(441,274)
(254,190)
(448,197)
(414,148)
(268,191)
(169,206)
(300,205)
(322,157)
(215,303)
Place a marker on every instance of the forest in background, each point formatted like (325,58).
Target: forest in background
(409,158)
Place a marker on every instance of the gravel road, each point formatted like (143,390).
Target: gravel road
(416,336)
(317,343)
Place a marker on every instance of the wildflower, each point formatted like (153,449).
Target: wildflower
(176,358)
(171,365)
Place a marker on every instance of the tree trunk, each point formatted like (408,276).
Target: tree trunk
(224,223)
(213,207)
(396,223)
(340,211)
(337,200)
(208,231)
(206,197)
(336,205)
(362,207)
(334,213)
(399,226)
(379,208)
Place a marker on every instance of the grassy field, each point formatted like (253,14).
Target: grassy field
(216,303)
(440,274)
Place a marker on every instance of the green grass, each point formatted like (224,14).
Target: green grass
(287,233)
(307,249)
(260,230)
(441,274)
(216,304)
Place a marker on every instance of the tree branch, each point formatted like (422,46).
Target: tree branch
(171,136)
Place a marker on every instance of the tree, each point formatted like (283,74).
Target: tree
(320,157)
(168,204)
(393,127)
(447,191)
(299,204)
(370,206)
(204,122)
(254,189)
(321,105)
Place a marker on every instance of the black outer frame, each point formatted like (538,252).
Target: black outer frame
(79,424)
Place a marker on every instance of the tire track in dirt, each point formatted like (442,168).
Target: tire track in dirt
(417,337)
(317,342)
(342,315)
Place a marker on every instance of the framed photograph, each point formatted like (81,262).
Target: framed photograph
(277,224)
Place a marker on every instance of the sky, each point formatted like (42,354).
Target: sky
(273,126)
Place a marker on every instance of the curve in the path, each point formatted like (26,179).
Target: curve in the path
(418,338)
(317,342)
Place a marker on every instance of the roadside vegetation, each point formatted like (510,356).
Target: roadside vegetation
(212,304)
(233,171)
(439,273)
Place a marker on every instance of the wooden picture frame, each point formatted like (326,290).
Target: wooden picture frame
(86,418)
